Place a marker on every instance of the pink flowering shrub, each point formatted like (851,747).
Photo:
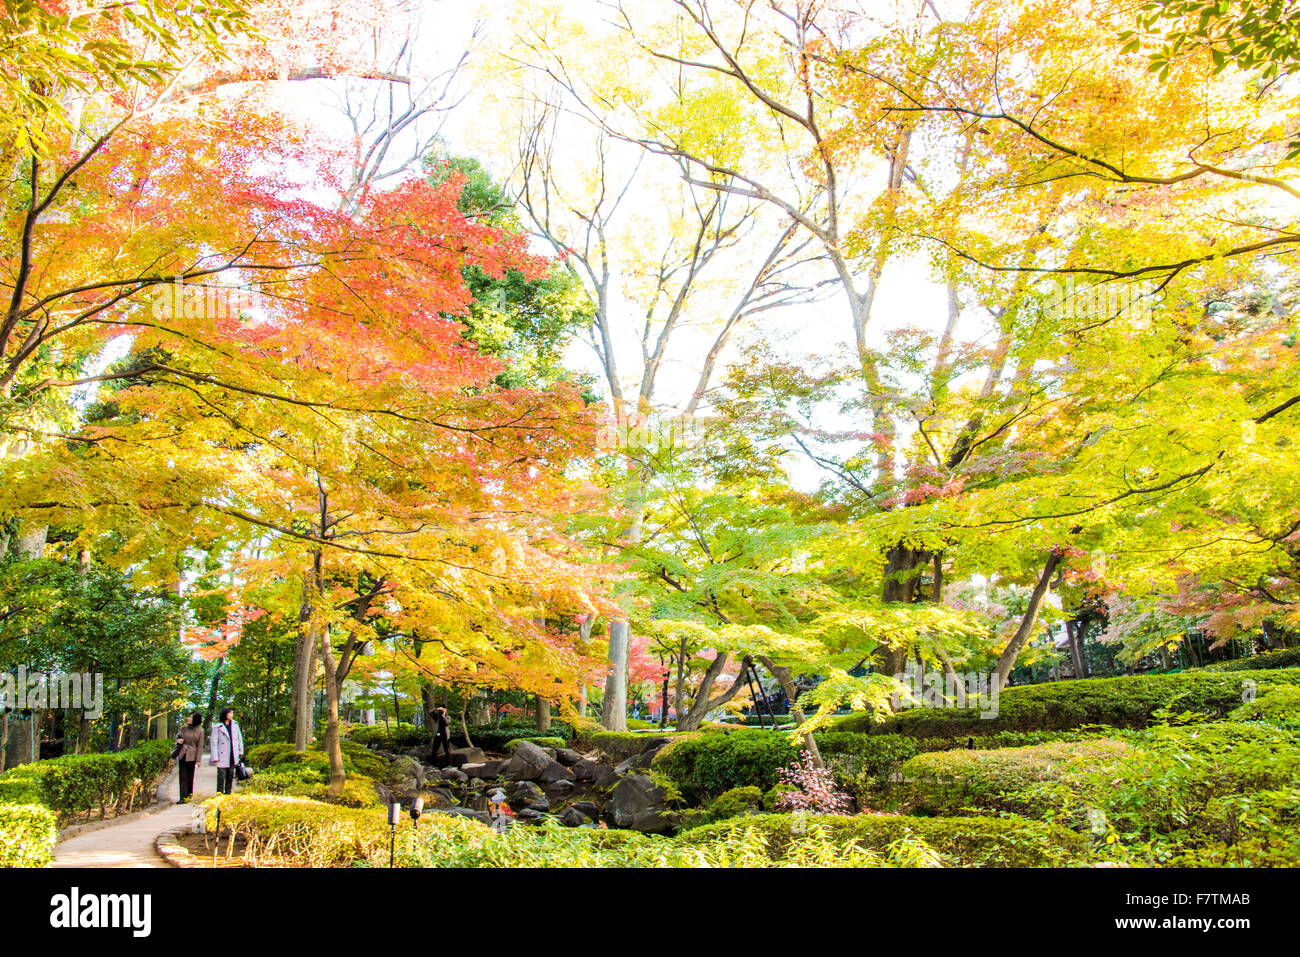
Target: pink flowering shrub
(816,792)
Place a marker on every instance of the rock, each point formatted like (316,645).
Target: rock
(528,764)
(572,817)
(455,775)
(592,772)
(558,790)
(567,756)
(438,798)
(640,804)
(555,771)
(589,808)
(526,794)
(463,756)
(481,816)
(528,814)
(485,771)
(405,774)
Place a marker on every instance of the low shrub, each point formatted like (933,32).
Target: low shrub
(1277,658)
(966,842)
(489,737)
(282,830)
(28,833)
(1178,790)
(949,782)
(77,785)
(299,831)
(390,737)
(734,803)
(707,765)
(1279,705)
(1133,701)
(620,745)
(265,755)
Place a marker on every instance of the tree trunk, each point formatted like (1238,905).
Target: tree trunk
(613,710)
(1074,633)
(702,704)
(304,667)
(333,745)
(543,715)
(428,699)
(212,691)
(480,711)
(904,568)
(464,729)
(1007,661)
(786,680)
(29,543)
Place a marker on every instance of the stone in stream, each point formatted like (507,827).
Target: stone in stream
(526,794)
(592,772)
(572,817)
(405,774)
(439,798)
(555,771)
(481,816)
(454,774)
(567,756)
(640,804)
(528,764)
(558,790)
(485,771)
(462,756)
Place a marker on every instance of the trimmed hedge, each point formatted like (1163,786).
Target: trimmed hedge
(1277,658)
(621,745)
(491,738)
(966,842)
(28,833)
(486,736)
(1126,702)
(80,784)
(356,759)
(947,782)
(708,765)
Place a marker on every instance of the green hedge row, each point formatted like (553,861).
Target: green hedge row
(705,766)
(489,737)
(1125,702)
(81,784)
(1278,658)
(966,842)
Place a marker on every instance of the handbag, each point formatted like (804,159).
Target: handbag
(241,772)
(178,751)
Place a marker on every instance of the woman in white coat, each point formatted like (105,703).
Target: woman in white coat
(227,749)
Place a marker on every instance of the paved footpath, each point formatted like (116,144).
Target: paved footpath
(131,843)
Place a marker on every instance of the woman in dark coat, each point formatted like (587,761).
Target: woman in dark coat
(191,741)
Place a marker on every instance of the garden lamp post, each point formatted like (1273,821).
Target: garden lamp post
(394,815)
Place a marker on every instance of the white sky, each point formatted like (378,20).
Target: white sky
(907,297)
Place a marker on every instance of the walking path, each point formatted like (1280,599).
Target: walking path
(131,843)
